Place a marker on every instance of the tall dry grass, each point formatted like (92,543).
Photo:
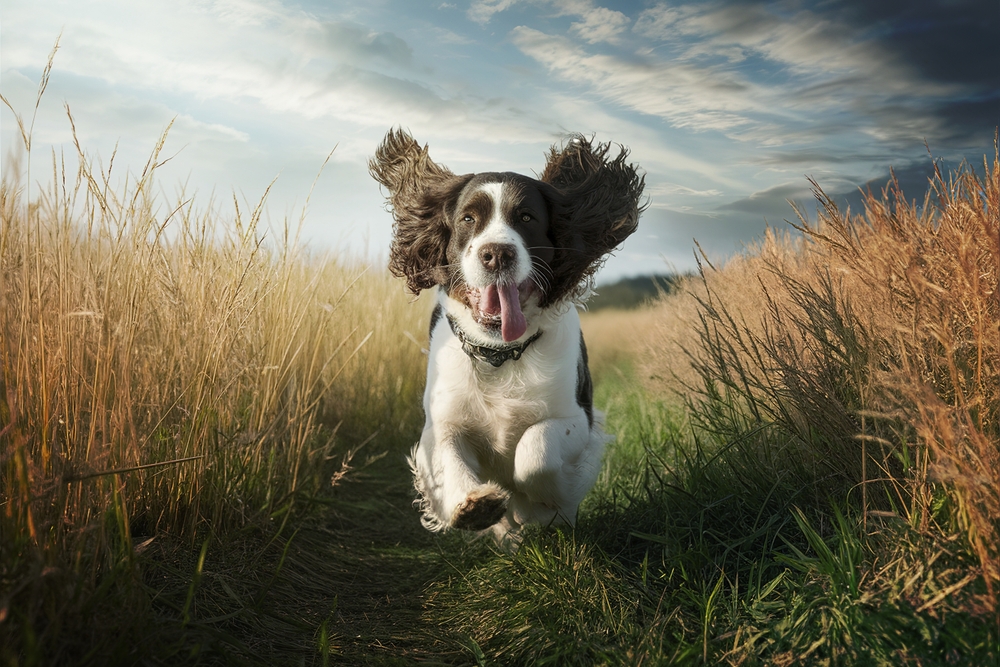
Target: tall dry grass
(873,341)
(612,336)
(165,368)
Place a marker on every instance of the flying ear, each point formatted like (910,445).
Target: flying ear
(421,196)
(598,209)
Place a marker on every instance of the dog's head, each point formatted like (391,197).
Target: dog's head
(501,241)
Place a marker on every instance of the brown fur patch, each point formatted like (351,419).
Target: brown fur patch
(600,208)
(481,509)
(420,192)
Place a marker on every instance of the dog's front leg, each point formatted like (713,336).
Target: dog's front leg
(556,463)
(452,493)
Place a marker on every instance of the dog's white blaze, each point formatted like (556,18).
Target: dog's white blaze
(498,230)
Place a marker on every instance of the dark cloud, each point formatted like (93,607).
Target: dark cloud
(772,201)
(670,234)
(969,122)
(949,42)
(675,233)
(946,43)
(913,178)
(816,156)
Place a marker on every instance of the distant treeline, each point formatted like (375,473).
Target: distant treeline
(633,292)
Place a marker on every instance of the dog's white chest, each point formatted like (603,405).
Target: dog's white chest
(490,407)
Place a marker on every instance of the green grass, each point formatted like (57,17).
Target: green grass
(698,551)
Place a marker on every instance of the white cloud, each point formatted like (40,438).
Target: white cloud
(684,94)
(601,25)
(678,189)
(801,42)
(597,24)
(284,61)
(481,11)
(658,21)
(243,12)
(445,36)
(258,90)
(687,68)
(102,113)
(356,44)
(652,148)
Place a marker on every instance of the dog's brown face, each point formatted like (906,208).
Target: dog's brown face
(500,248)
(495,241)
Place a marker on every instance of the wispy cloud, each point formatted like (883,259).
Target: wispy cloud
(353,43)
(772,200)
(596,23)
(481,11)
(668,189)
(810,72)
(687,95)
(601,25)
(108,112)
(287,61)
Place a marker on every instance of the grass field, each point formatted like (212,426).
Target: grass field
(807,468)
(202,431)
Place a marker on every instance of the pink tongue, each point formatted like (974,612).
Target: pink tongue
(507,301)
(512,322)
(490,300)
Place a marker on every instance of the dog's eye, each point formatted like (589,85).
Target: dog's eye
(526,217)
(468,218)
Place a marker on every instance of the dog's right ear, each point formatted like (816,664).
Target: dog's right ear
(422,195)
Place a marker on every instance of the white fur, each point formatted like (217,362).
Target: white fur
(516,429)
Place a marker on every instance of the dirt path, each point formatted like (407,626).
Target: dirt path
(351,578)
(370,551)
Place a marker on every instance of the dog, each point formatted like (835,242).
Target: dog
(510,436)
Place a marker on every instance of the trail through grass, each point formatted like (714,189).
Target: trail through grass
(370,550)
(345,586)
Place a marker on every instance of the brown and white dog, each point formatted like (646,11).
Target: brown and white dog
(510,435)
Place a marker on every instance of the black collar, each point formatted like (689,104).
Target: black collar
(495,356)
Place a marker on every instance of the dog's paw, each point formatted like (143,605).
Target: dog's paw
(481,509)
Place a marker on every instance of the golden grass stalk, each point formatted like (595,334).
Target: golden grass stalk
(873,339)
(612,335)
(165,369)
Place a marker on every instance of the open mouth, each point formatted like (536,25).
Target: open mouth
(498,306)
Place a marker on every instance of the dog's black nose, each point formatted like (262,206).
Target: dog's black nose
(497,256)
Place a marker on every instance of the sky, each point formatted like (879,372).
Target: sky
(727,106)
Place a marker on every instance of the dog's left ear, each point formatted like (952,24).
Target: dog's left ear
(598,208)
